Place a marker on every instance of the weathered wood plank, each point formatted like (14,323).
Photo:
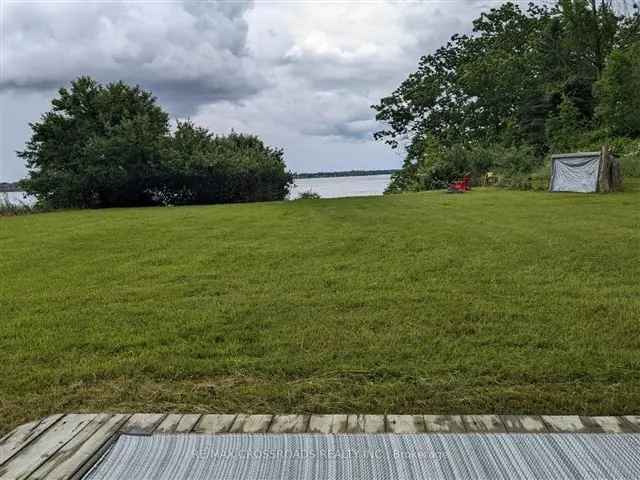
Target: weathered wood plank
(289,424)
(80,449)
(328,424)
(564,424)
(214,423)
(633,420)
(30,458)
(355,423)
(169,424)
(97,446)
(142,423)
(340,424)
(405,424)
(187,422)
(251,424)
(21,436)
(606,424)
(523,424)
(483,424)
(320,424)
(366,424)
(443,424)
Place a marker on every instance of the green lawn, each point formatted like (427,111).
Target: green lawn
(493,301)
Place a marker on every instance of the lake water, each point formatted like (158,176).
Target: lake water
(326,187)
(17,198)
(336,187)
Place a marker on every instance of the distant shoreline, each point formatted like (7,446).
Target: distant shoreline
(7,187)
(349,173)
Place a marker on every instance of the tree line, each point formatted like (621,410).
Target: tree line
(111,145)
(9,186)
(525,83)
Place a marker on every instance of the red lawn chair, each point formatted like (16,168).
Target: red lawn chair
(460,186)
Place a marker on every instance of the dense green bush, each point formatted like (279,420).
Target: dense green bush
(203,168)
(436,165)
(104,146)
(537,180)
(628,152)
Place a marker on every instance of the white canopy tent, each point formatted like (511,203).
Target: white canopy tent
(585,172)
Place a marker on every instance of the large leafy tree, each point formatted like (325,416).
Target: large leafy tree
(468,90)
(104,146)
(522,80)
(99,146)
(429,100)
(618,90)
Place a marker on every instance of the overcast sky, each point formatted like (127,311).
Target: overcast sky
(301,74)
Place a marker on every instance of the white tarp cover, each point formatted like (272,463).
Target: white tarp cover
(575,174)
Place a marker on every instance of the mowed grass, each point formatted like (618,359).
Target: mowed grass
(492,301)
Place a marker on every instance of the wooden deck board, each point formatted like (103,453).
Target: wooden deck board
(77,452)
(187,423)
(366,424)
(328,424)
(443,424)
(607,424)
(64,447)
(29,459)
(178,423)
(564,424)
(340,424)
(320,424)
(289,424)
(169,424)
(483,424)
(251,424)
(523,424)
(143,423)
(214,424)
(14,441)
(405,424)
(633,421)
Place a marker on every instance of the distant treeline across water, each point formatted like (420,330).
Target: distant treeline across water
(9,187)
(347,173)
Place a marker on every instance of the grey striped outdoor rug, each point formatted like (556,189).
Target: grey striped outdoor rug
(372,457)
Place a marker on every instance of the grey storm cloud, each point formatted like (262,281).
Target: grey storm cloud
(300,74)
(353,122)
(359,130)
(188,53)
